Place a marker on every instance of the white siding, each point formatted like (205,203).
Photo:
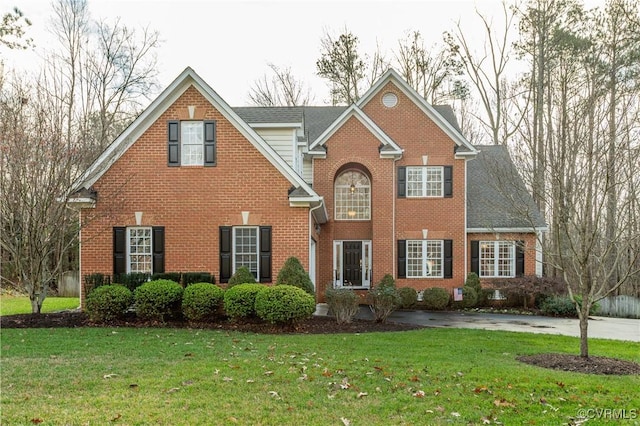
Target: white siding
(307,170)
(282,140)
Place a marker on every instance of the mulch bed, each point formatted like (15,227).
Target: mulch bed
(314,325)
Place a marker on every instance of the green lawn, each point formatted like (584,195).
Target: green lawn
(11,305)
(185,377)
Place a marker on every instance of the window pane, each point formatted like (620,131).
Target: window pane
(246,249)
(424,181)
(433,182)
(414,259)
(140,250)
(192,142)
(424,258)
(414,182)
(434,258)
(505,259)
(352,196)
(487,259)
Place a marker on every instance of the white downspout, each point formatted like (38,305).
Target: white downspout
(311,210)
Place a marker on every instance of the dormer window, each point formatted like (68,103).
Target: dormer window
(191,143)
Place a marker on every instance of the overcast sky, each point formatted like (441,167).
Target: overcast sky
(229,44)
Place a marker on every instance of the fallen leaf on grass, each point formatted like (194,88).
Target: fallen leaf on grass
(188,354)
(36,421)
(345,384)
(503,403)
(345,421)
(414,379)
(361,394)
(109,376)
(117,417)
(227,379)
(268,373)
(172,390)
(419,394)
(481,389)
(455,414)
(133,386)
(274,394)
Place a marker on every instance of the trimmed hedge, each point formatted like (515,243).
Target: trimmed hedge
(435,298)
(239,300)
(383,299)
(285,304)
(158,300)
(202,301)
(108,302)
(344,303)
(469,298)
(242,276)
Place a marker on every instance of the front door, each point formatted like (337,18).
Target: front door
(352,270)
(352,264)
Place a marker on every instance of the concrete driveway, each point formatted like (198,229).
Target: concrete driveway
(599,327)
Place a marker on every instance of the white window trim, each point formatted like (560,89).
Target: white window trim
(425,260)
(183,125)
(497,258)
(234,251)
(129,254)
(335,197)
(423,173)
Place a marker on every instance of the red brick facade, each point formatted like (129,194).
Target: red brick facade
(193,202)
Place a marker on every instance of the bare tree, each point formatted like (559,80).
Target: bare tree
(35,160)
(281,89)
(487,72)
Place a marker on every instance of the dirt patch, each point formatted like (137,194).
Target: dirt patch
(314,325)
(578,364)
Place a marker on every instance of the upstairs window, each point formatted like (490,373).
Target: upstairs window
(352,196)
(425,181)
(191,143)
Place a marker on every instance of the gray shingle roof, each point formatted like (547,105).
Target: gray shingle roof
(270,114)
(447,113)
(496,194)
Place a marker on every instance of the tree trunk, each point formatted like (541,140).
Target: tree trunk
(584,340)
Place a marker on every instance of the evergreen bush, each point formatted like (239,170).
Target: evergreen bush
(158,300)
(108,302)
(284,304)
(202,301)
(239,300)
(242,276)
(408,297)
(292,273)
(383,299)
(435,298)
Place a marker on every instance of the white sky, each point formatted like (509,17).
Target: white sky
(230,43)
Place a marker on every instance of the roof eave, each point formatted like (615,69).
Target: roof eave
(504,230)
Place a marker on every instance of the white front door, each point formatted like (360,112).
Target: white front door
(352,263)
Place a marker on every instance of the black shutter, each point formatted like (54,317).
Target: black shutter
(158,250)
(119,250)
(225,254)
(173,145)
(402,258)
(448,258)
(265,254)
(519,258)
(448,181)
(402,182)
(475,257)
(209,143)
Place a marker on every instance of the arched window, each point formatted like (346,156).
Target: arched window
(352,196)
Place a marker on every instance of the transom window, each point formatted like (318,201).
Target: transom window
(192,137)
(139,256)
(245,248)
(497,259)
(352,196)
(424,258)
(425,181)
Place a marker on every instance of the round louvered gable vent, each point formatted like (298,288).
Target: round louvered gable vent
(389,100)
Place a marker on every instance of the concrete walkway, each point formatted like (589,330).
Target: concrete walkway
(599,327)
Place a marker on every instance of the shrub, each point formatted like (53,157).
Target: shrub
(239,301)
(201,301)
(383,299)
(562,306)
(435,298)
(171,276)
(408,297)
(132,280)
(242,276)
(473,281)
(158,299)
(469,298)
(189,278)
(93,281)
(292,273)
(108,302)
(285,304)
(344,303)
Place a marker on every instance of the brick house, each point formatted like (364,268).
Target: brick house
(386,185)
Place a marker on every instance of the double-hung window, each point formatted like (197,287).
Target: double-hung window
(425,181)
(192,143)
(245,249)
(424,258)
(139,250)
(497,259)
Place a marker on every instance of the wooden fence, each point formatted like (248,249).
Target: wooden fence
(620,306)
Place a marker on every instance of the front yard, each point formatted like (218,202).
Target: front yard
(186,376)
